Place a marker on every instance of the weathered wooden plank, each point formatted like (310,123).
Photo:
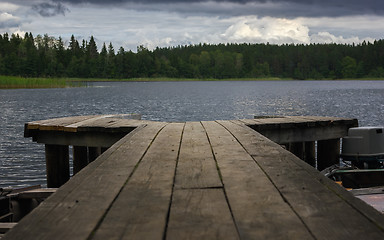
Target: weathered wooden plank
(77,207)
(90,121)
(128,116)
(124,125)
(6,226)
(326,121)
(302,134)
(58,121)
(276,120)
(112,124)
(52,124)
(319,118)
(282,123)
(142,207)
(264,203)
(367,191)
(37,193)
(196,166)
(94,124)
(129,123)
(272,124)
(199,208)
(74,124)
(298,122)
(327,209)
(257,206)
(58,124)
(200,214)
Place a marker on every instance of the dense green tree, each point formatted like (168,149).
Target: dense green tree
(102,66)
(110,64)
(205,67)
(145,62)
(74,48)
(44,56)
(91,49)
(349,67)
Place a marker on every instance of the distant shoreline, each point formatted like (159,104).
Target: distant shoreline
(165,79)
(11,82)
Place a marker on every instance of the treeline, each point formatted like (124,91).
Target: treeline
(45,56)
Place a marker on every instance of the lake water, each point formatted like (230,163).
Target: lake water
(22,162)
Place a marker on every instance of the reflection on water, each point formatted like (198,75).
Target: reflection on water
(22,162)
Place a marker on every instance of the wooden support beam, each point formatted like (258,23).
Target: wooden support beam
(301,129)
(85,138)
(310,153)
(6,217)
(80,158)
(93,153)
(297,148)
(6,226)
(57,163)
(37,193)
(328,153)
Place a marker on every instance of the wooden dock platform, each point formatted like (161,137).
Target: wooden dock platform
(193,180)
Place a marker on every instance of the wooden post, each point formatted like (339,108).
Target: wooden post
(310,153)
(93,153)
(297,148)
(80,158)
(328,153)
(57,163)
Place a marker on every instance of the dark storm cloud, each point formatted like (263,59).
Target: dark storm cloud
(8,24)
(50,9)
(288,8)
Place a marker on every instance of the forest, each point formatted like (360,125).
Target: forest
(46,56)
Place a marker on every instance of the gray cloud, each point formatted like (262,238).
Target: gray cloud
(8,20)
(50,9)
(278,8)
(130,23)
(8,24)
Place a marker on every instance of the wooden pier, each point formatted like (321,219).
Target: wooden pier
(195,180)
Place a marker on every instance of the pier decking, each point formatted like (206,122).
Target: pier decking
(193,180)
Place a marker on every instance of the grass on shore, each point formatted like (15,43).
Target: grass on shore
(9,82)
(165,79)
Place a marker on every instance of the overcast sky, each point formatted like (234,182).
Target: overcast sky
(162,23)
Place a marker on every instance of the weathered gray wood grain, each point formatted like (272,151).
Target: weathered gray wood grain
(257,206)
(200,214)
(141,209)
(326,209)
(77,207)
(196,166)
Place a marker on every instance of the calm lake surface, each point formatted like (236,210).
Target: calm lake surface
(22,162)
